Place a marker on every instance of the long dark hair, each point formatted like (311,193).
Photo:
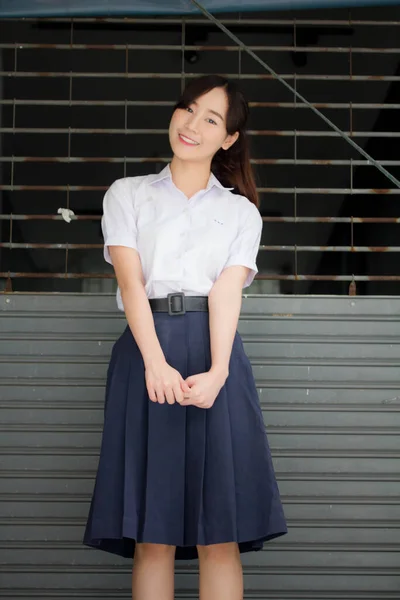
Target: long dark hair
(232,167)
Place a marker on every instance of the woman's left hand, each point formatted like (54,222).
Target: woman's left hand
(204,388)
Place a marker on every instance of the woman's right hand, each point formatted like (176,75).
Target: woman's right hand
(165,383)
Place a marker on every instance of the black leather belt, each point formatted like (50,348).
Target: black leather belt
(178,304)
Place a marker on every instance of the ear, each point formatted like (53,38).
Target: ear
(230,140)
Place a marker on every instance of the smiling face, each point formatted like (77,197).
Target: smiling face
(198,131)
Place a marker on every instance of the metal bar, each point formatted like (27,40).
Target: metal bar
(325,191)
(35,102)
(202,48)
(150,159)
(247,76)
(7,217)
(199,21)
(34,246)
(329,277)
(277,248)
(319,162)
(357,220)
(33,275)
(271,132)
(53,188)
(296,248)
(276,190)
(338,105)
(76,130)
(147,103)
(20,275)
(309,133)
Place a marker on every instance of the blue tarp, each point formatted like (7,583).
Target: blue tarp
(88,8)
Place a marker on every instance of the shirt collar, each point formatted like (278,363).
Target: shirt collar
(166,174)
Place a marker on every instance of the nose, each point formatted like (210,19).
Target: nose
(192,122)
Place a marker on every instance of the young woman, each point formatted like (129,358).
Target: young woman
(185,468)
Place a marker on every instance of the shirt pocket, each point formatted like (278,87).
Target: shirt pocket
(212,246)
(217,231)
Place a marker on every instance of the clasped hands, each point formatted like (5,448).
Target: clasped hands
(165,384)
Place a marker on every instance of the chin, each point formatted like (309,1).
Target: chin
(185,154)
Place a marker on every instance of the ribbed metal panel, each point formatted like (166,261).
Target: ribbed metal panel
(328,375)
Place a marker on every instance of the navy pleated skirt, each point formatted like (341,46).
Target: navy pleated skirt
(182,475)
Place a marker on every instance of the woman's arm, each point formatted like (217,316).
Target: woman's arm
(226,294)
(224,303)
(225,300)
(162,380)
(128,270)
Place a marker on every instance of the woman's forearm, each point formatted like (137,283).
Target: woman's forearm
(141,322)
(225,300)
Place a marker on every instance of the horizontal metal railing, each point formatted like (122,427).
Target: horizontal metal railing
(69,246)
(201,48)
(144,75)
(239,21)
(141,160)
(143,131)
(265,190)
(9,275)
(146,103)
(348,220)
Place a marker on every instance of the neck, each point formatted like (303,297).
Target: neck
(190,177)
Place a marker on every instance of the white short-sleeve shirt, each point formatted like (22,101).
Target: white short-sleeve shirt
(184,245)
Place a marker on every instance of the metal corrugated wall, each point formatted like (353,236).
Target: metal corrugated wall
(327,370)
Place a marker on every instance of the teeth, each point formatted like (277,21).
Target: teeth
(189,141)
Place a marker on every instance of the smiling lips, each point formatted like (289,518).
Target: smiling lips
(187,141)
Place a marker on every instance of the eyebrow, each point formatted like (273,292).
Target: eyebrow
(214,112)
